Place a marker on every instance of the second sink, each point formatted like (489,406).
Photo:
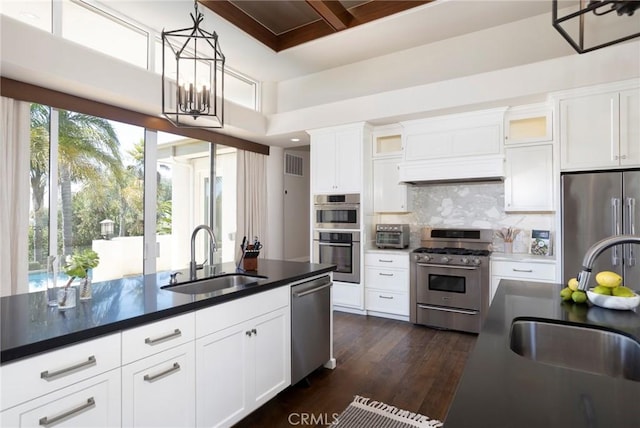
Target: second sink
(217,283)
(570,346)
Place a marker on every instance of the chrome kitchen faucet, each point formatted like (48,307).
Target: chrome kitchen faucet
(595,250)
(213,246)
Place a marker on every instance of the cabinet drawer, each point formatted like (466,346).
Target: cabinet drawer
(93,402)
(384,301)
(39,375)
(387,260)
(345,294)
(525,270)
(387,279)
(152,338)
(224,315)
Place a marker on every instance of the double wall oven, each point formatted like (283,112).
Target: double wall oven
(449,284)
(336,234)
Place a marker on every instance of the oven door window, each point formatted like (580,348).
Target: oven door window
(343,216)
(340,255)
(448,283)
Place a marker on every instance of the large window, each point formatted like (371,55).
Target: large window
(88,170)
(85,169)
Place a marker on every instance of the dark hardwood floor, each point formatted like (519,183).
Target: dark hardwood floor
(412,367)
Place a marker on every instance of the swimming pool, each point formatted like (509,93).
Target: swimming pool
(38,280)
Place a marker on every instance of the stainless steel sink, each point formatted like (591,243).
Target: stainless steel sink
(217,283)
(588,349)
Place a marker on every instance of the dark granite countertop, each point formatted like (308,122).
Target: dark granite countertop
(500,388)
(29,326)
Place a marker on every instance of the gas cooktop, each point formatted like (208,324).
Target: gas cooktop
(452,250)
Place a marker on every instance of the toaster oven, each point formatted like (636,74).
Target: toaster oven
(392,235)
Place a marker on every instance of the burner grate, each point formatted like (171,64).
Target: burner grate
(452,250)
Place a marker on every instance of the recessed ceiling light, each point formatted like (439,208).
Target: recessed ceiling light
(295,140)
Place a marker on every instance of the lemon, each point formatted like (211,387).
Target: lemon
(602,290)
(608,279)
(565,293)
(579,296)
(622,292)
(573,284)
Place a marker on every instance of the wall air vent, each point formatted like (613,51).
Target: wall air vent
(293,165)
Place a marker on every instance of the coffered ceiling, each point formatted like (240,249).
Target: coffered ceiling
(283,24)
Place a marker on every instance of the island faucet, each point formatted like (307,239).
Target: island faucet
(213,246)
(595,250)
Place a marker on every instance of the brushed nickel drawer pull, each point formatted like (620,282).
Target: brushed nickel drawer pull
(47,375)
(46,421)
(522,270)
(150,341)
(151,378)
(385,297)
(385,274)
(385,261)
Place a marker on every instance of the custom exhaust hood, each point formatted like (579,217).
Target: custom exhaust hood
(471,168)
(461,147)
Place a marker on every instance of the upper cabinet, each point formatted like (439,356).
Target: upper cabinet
(337,159)
(600,128)
(528,183)
(389,194)
(528,124)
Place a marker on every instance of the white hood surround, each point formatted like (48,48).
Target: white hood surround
(461,147)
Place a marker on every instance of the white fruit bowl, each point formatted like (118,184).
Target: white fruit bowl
(613,302)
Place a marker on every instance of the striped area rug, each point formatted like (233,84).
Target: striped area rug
(364,413)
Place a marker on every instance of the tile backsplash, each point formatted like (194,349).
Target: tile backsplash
(467,205)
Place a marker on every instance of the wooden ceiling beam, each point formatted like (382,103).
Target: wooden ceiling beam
(332,12)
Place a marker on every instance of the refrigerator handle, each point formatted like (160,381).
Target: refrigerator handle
(631,226)
(615,224)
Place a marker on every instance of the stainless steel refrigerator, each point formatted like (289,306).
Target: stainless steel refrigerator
(596,205)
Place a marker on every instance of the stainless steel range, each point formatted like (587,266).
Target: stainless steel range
(449,286)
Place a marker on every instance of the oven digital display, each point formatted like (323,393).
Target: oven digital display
(447,283)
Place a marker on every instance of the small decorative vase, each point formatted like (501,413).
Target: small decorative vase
(508,247)
(85,288)
(66,298)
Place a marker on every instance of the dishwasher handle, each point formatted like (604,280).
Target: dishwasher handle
(313,290)
(316,285)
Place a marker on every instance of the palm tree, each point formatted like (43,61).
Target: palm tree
(88,148)
(39,173)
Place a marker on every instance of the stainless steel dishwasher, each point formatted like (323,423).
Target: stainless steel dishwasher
(310,326)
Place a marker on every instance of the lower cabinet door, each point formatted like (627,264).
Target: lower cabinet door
(221,386)
(271,362)
(158,391)
(94,402)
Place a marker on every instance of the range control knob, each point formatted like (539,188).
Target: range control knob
(425,258)
(476,262)
(465,261)
(445,259)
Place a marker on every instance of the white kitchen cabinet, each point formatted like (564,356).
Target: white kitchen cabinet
(389,194)
(386,141)
(387,283)
(528,124)
(537,270)
(244,357)
(93,402)
(528,180)
(158,391)
(347,294)
(42,374)
(600,130)
(337,159)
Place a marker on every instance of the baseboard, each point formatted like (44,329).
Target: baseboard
(349,310)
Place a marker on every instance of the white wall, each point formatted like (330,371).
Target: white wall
(274,242)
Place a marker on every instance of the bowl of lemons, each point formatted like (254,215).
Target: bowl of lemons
(611,294)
